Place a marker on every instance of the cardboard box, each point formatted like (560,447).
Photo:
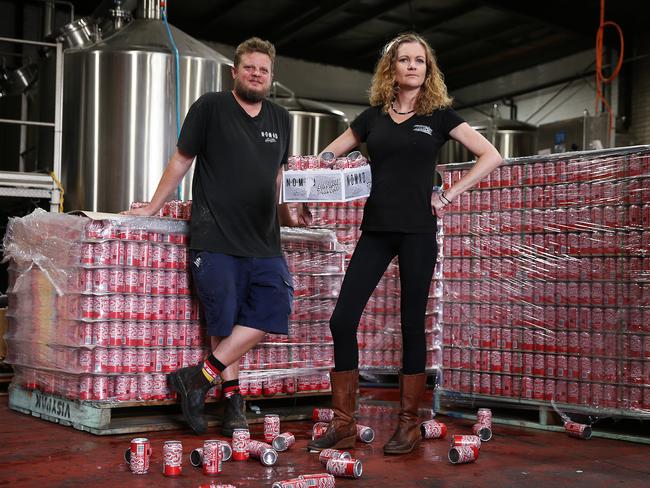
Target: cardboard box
(326,185)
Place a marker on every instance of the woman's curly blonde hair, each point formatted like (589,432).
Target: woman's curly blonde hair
(383,90)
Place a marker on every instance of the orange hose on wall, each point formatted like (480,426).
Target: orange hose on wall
(600,77)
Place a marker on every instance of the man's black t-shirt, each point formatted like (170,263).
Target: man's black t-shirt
(234,200)
(402,160)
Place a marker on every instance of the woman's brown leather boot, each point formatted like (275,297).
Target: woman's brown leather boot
(342,431)
(407,435)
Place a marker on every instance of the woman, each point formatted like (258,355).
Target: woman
(409,120)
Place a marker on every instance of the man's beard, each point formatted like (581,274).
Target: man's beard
(251,96)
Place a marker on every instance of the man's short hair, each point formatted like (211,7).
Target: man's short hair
(255,45)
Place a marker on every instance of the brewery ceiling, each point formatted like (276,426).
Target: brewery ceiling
(474,40)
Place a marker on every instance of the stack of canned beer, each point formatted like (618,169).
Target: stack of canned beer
(175,209)
(354,160)
(546,294)
(108,310)
(111,317)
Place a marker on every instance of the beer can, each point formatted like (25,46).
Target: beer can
(574,429)
(212,458)
(345,468)
(484,416)
(85,387)
(484,432)
(114,360)
(466,440)
(318,430)
(129,360)
(323,415)
(140,455)
(240,439)
(159,390)
(172,458)
(326,454)
(283,441)
(122,384)
(365,434)
(271,427)
(226,450)
(432,429)
(196,456)
(291,483)
(462,454)
(262,451)
(145,386)
(319,480)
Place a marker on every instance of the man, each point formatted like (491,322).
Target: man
(240,140)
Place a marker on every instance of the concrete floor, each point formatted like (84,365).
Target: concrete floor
(38,453)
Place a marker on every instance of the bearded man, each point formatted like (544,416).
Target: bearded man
(240,140)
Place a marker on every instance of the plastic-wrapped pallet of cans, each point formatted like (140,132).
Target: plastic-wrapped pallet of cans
(546,274)
(101,308)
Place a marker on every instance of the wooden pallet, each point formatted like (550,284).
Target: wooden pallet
(612,423)
(102,418)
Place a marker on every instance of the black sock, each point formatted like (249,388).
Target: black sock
(229,388)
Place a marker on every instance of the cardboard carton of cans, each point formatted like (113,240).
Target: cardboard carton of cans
(309,179)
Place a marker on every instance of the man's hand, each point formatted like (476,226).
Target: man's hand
(146,211)
(304,216)
(437,205)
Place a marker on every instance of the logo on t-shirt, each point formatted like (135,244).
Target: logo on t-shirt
(269,136)
(423,128)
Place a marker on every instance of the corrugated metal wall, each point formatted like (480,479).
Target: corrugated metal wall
(640,111)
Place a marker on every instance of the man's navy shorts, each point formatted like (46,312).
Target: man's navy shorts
(253,292)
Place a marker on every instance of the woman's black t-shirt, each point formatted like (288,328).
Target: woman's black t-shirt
(402,160)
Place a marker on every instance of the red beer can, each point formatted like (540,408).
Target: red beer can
(322,415)
(484,416)
(432,429)
(271,427)
(240,439)
(140,455)
(283,441)
(326,454)
(292,483)
(365,434)
(466,440)
(462,454)
(318,430)
(319,480)
(574,429)
(172,458)
(346,468)
(484,432)
(212,458)
(262,451)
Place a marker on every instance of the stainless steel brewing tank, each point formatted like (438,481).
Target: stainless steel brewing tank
(313,124)
(120,112)
(512,138)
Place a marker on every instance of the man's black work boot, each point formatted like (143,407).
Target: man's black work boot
(191,386)
(233,414)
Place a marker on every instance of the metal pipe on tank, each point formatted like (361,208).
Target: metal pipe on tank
(149,9)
